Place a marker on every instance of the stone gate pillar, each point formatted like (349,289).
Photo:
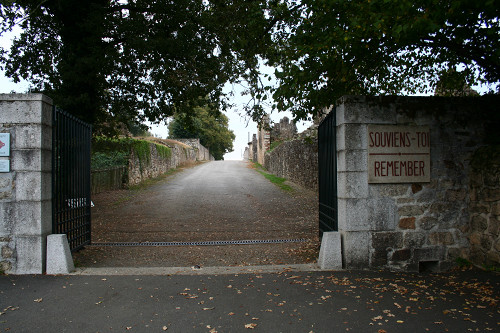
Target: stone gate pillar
(25,189)
(404,175)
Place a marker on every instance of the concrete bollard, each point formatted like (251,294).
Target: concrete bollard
(330,253)
(59,259)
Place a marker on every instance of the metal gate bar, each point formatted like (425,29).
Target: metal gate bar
(71,140)
(206,243)
(327,177)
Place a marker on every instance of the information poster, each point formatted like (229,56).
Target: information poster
(4,144)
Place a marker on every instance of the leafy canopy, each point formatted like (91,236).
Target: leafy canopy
(110,61)
(330,48)
(207,124)
(126,61)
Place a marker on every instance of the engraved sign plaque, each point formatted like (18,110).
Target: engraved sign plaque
(398,154)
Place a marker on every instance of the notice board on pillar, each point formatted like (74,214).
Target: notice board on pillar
(398,154)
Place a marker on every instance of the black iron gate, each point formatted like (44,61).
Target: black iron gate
(71,140)
(327,177)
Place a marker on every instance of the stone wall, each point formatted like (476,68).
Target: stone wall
(155,165)
(295,160)
(202,153)
(484,207)
(262,141)
(25,191)
(246,154)
(409,226)
(296,156)
(284,130)
(253,148)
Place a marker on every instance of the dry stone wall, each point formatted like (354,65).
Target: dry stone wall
(283,130)
(296,156)
(295,160)
(202,153)
(155,165)
(484,207)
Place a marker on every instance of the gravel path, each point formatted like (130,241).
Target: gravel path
(216,201)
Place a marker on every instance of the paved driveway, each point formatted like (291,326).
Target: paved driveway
(216,201)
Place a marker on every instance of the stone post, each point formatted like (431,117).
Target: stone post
(359,212)
(25,191)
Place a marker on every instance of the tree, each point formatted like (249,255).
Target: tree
(207,124)
(117,61)
(330,48)
(127,61)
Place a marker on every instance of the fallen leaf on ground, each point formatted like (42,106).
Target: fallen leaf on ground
(10,307)
(250,326)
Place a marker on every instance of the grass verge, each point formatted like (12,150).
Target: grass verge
(278,181)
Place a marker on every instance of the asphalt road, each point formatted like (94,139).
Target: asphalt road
(216,201)
(289,301)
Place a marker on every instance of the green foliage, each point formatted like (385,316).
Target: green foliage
(491,268)
(104,160)
(332,48)
(112,62)
(463,263)
(164,151)
(274,144)
(278,181)
(207,124)
(111,152)
(105,144)
(138,129)
(141,150)
(309,140)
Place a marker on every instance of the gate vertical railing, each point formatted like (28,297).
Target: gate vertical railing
(71,204)
(327,174)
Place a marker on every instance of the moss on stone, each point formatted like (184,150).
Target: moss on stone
(164,151)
